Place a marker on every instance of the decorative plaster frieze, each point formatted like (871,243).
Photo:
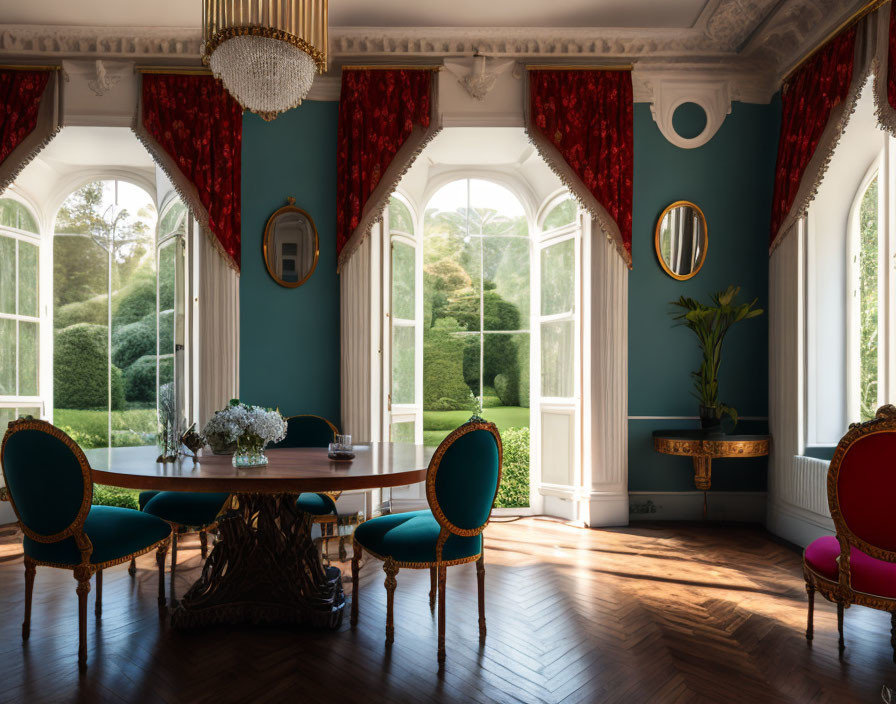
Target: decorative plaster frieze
(730,22)
(118,42)
(479,74)
(792,29)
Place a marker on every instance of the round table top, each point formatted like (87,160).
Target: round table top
(289,470)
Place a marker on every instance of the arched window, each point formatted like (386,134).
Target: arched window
(104,315)
(563,212)
(476,292)
(865,329)
(20,392)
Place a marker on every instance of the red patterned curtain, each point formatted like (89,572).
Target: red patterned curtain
(813,111)
(193,128)
(581,122)
(28,118)
(386,117)
(885,80)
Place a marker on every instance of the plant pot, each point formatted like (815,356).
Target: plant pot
(711,419)
(249,453)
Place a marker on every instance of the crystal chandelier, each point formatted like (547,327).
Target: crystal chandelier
(266,52)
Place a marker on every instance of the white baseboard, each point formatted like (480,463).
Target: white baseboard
(797,525)
(7,515)
(746,506)
(608,509)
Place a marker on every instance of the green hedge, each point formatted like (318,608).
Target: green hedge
(132,341)
(443,381)
(80,374)
(92,310)
(140,378)
(514,491)
(136,299)
(115,496)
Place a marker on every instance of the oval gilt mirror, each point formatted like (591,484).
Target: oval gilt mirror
(290,246)
(681,240)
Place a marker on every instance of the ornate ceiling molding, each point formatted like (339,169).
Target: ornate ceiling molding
(740,33)
(736,50)
(112,42)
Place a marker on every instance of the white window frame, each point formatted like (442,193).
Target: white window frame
(881,168)
(16,401)
(540,490)
(397,413)
(183,359)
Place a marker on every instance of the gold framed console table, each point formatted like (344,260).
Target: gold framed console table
(703,448)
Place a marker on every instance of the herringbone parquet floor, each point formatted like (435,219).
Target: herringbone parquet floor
(654,613)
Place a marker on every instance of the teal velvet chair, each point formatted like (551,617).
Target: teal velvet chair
(49,485)
(185,512)
(311,431)
(461,487)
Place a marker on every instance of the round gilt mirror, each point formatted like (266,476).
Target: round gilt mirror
(290,246)
(681,240)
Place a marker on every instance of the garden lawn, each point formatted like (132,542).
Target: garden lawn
(129,427)
(437,424)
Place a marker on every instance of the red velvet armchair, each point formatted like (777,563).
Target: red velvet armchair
(858,566)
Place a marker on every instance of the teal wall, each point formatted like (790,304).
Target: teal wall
(289,351)
(730,178)
(289,338)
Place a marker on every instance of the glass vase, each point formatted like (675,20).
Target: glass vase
(249,452)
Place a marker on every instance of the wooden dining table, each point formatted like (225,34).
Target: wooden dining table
(265,567)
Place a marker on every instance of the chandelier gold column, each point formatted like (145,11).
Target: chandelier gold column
(266,52)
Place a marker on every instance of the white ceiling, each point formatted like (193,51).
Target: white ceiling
(382,13)
(479,145)
(96,146)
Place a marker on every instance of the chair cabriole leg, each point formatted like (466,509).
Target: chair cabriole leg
(82,574)
(173,562)
(810,591)
(391,569)
(480,579)
(442,574)
(30,569)
(841,643)
(98,604)
(132,570)
(356,567)
(160,561)
(203,543)
(433,589)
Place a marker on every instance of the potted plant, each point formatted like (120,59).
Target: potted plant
(710,324)
(251,428)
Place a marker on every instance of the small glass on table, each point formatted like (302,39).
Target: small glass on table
(340,450)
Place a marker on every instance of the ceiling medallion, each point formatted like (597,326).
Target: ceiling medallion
(265,52)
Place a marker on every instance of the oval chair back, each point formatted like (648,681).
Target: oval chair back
(862,489)
(48,479)
(464,476)
(308,431)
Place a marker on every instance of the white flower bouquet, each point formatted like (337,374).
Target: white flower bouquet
(250,428)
